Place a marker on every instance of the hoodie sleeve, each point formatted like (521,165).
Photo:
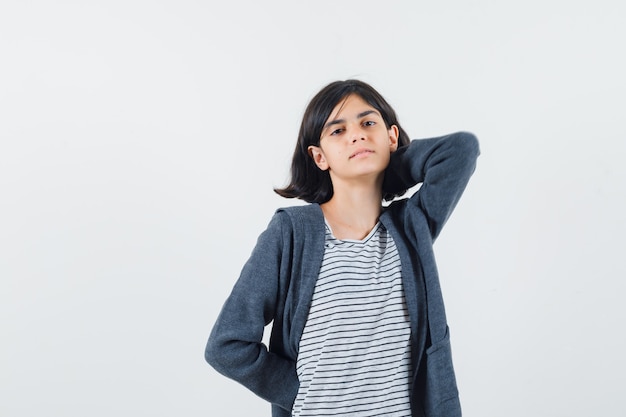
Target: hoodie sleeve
(442,165)
(234,347)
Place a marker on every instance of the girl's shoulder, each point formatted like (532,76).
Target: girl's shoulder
(307,217)
(307,211)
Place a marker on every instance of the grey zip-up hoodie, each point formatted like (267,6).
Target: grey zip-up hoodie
(277,282)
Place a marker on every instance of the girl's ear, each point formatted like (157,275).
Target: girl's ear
(394,133)
(318,157)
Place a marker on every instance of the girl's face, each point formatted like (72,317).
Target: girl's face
(355,143)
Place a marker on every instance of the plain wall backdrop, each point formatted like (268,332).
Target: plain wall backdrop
(140,142)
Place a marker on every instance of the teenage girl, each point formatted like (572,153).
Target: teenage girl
(350,285)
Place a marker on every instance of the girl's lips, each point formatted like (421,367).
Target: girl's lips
(361,152)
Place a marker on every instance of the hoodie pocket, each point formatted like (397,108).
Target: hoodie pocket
(441,396)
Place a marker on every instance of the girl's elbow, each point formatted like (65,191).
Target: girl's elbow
(213,354)
(209,353)
(468,142)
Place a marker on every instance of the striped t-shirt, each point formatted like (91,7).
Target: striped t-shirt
(354,355)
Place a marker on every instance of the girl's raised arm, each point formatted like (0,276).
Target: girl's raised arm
(443,166)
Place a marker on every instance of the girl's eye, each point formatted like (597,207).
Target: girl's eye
(369,123)
(336,131)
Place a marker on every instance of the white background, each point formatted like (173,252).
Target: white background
(140,142)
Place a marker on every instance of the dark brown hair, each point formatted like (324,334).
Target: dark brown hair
(308,182)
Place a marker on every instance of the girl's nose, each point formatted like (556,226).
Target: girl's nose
(357,134)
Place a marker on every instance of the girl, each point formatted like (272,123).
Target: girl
(351,286)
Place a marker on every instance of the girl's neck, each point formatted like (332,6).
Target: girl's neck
(352,213)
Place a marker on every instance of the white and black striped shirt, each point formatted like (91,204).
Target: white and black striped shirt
(354,355)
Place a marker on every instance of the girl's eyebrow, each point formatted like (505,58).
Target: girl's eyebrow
(358,116)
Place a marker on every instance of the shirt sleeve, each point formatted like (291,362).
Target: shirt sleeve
(442,165)
(234,347)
